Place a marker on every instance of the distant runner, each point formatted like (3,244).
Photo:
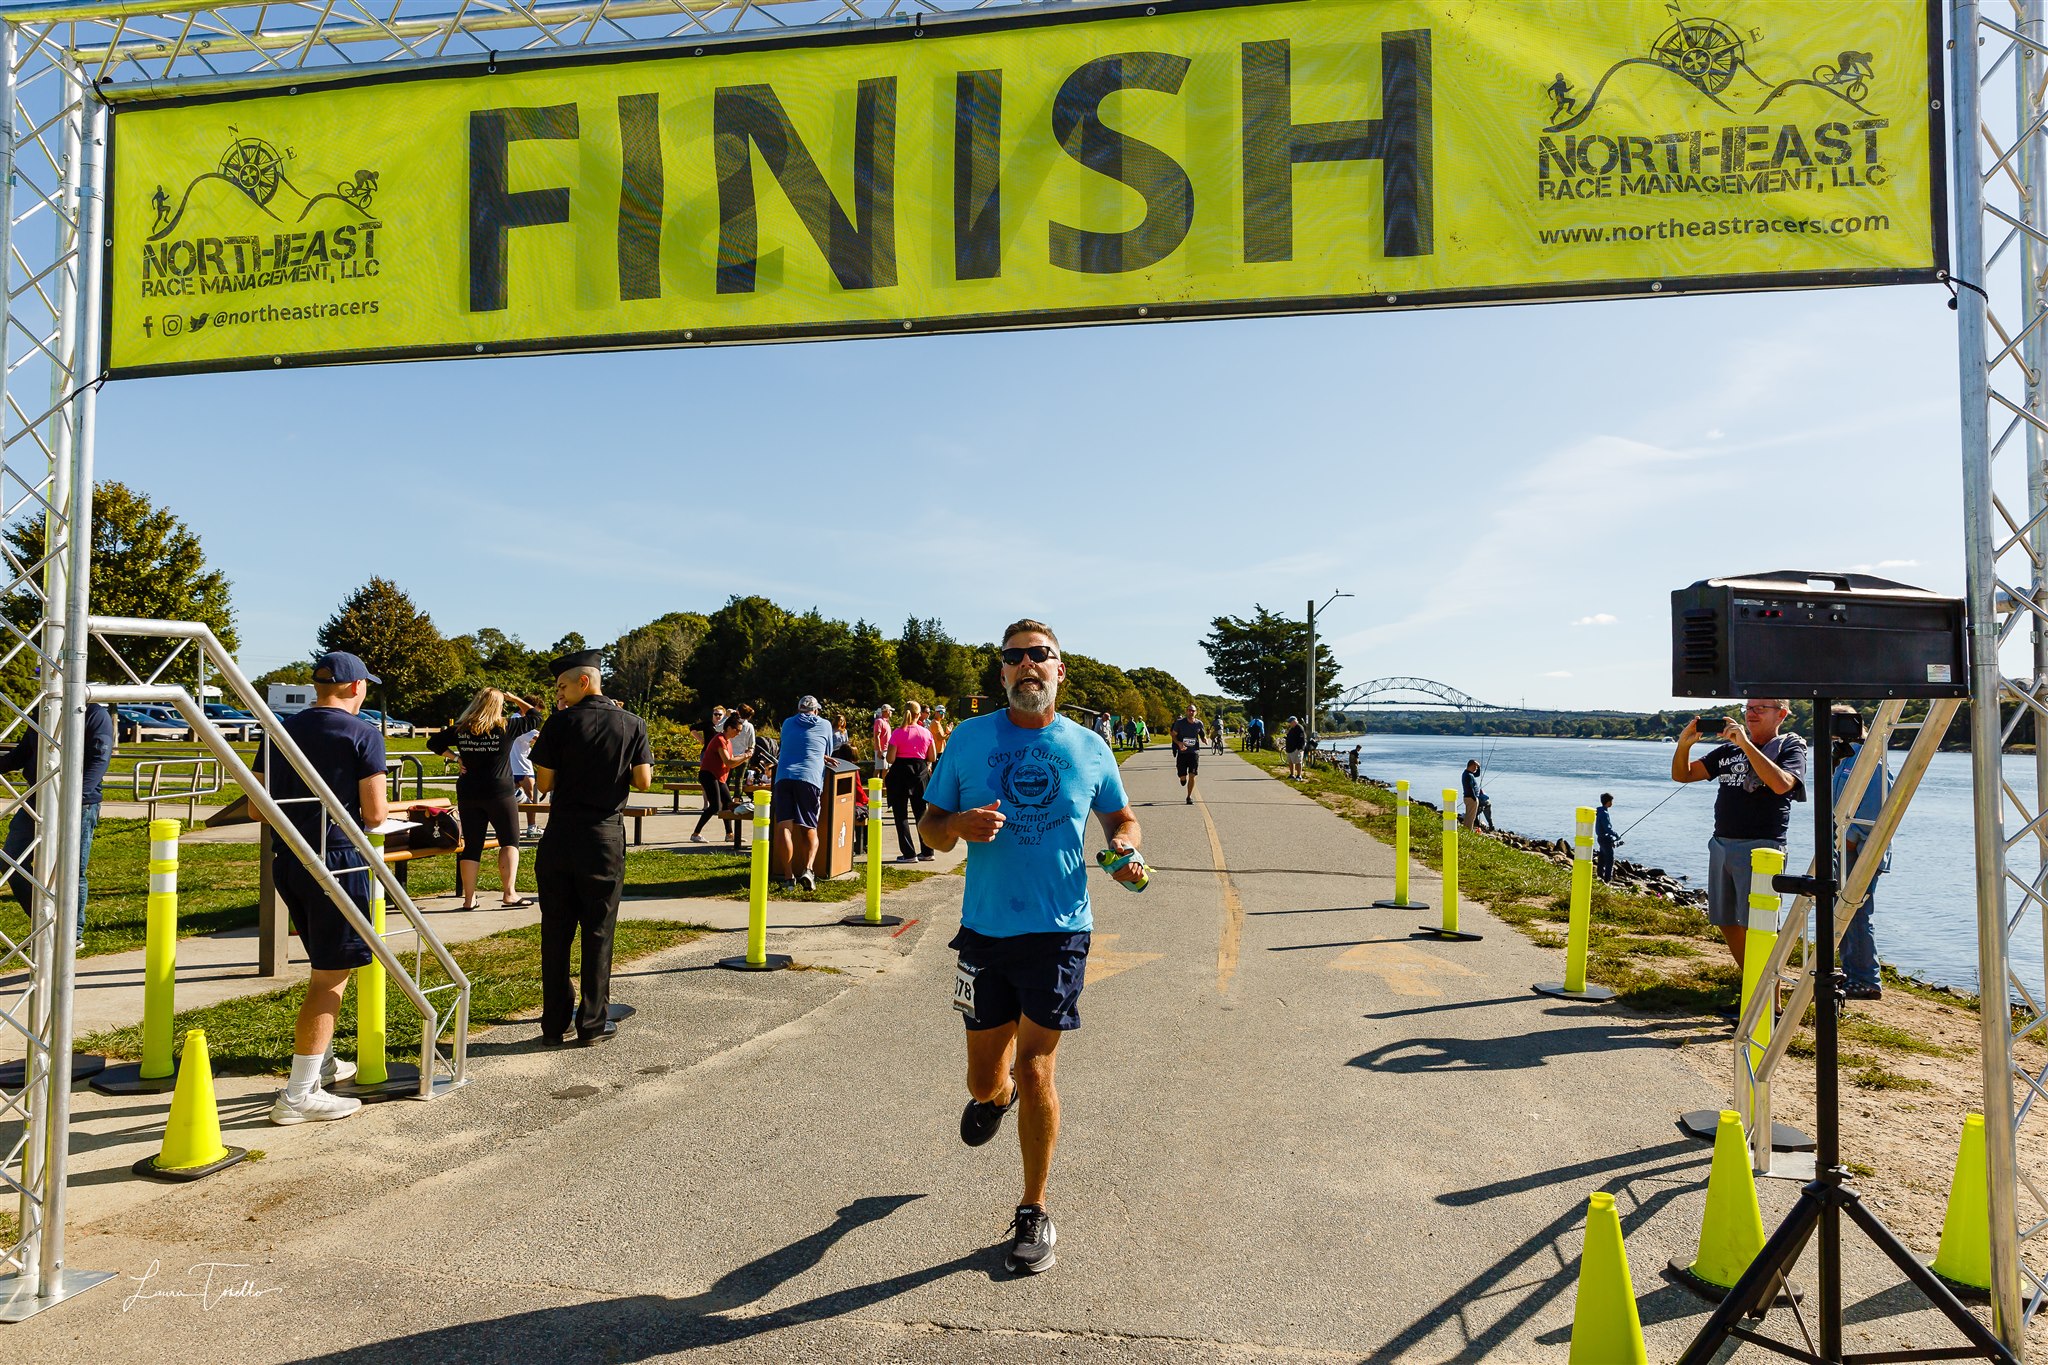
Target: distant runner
(1187,749)
(1018,786)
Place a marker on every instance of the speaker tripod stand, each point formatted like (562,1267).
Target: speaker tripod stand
(1830,1195)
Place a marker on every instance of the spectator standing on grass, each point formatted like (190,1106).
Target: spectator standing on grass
(713,766)
(742,750)
(1297,748)
(21,833)
(936,723)
(910,764)
(591,751)
(885,721)
(1859,941)
(1605,840)
(486,797)
(522,777)
(1469,816)
(349,757)
(799,789)
(1761,773)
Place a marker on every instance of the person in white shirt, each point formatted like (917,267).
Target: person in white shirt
(522,777)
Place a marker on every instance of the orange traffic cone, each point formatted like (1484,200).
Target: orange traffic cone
(1606,1329)
(192,1147)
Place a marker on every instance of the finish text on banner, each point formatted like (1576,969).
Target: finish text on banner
(1032,170)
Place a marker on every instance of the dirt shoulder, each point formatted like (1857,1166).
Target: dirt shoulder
(1910,1063)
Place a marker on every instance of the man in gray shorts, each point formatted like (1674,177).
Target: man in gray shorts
(1761,773)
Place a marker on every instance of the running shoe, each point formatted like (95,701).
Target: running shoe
(808,881)
(317,1107)
(1031,1252)
(926,856)
(981,1119)
(1863,993)
(336,1070)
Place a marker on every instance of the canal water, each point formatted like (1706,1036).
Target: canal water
(1926,909)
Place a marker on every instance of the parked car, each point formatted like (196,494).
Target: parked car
(139,723)
(235,724)
(390,725)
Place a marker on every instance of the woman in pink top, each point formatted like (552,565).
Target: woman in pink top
(909,750)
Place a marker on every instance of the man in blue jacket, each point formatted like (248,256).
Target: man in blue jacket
(99,752)
(1605,840)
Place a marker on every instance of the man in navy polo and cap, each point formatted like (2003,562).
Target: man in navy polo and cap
(589,754)
(348,754)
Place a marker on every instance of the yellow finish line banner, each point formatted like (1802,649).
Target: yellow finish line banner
(1033,170)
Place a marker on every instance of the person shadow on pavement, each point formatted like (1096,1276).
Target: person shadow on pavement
(616,1331)
(1518,1051)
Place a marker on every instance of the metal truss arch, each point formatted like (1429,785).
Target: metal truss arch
(1430,693)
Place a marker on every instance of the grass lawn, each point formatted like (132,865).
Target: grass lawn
(1656,955)
(217,883)
(253,1035)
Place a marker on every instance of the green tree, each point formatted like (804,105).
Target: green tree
(644,667)
(1263,661)
(721,668)
(1165,697)
(379,624)
(145,562)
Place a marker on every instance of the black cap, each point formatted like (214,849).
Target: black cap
(582,658)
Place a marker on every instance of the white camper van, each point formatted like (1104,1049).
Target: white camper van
(288,699)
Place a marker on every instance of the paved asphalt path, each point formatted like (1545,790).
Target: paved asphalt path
(1292,1131)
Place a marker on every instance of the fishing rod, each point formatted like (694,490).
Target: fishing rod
(1650,812)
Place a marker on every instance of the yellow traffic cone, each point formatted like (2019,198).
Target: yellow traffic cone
(192,1147)
(1605,1327)
(1963,1260)
(1732,1233)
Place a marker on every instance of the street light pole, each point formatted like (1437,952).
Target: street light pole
(1308,718)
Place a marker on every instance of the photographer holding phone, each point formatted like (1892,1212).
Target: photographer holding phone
(1761,772)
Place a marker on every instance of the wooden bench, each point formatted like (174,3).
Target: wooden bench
(676,792)
(634,813)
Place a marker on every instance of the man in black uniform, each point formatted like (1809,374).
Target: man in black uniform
(589,752)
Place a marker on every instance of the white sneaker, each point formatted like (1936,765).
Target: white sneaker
(808,882)
(337,1070)
(317,1107)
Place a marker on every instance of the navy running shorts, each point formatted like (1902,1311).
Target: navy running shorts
(796,800)
(1038,976)
(1186,761)
(330,941)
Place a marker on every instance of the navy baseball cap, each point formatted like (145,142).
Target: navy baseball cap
(339,666)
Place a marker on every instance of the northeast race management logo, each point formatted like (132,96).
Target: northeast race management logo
(257,220)
(1784,123)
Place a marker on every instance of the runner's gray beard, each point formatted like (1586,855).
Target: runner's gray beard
(1036,704)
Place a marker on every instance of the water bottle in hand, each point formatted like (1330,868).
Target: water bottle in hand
(1110,861)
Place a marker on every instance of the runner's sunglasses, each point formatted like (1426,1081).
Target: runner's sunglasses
(1038,654)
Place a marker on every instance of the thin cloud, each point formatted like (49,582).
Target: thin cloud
(1598,618)
(1554,673)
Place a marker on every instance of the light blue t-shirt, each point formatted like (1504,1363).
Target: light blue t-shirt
(806,740)
(1032,878)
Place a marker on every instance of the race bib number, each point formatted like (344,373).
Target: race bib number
(963,989)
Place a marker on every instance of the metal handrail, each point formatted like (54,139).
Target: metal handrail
(1752,1085)
(189,794)
(272,812)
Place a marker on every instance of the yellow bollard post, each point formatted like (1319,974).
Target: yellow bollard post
(757,957)
(158,1070)
(1400,900)
(371,995)
(1579,935)
(873,918)
(1448,930)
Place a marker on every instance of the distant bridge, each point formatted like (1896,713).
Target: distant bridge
(1423,694)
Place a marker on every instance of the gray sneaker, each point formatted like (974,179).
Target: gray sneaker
(317,1107)
(1031,1251)
(808,881)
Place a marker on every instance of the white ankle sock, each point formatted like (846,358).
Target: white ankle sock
(305,1077)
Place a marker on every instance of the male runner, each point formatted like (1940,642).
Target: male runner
(1018,785)
(1187,749)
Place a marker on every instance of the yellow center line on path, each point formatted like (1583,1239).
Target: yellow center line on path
(1233,908)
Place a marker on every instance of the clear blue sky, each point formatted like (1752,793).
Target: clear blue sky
(1511,493)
